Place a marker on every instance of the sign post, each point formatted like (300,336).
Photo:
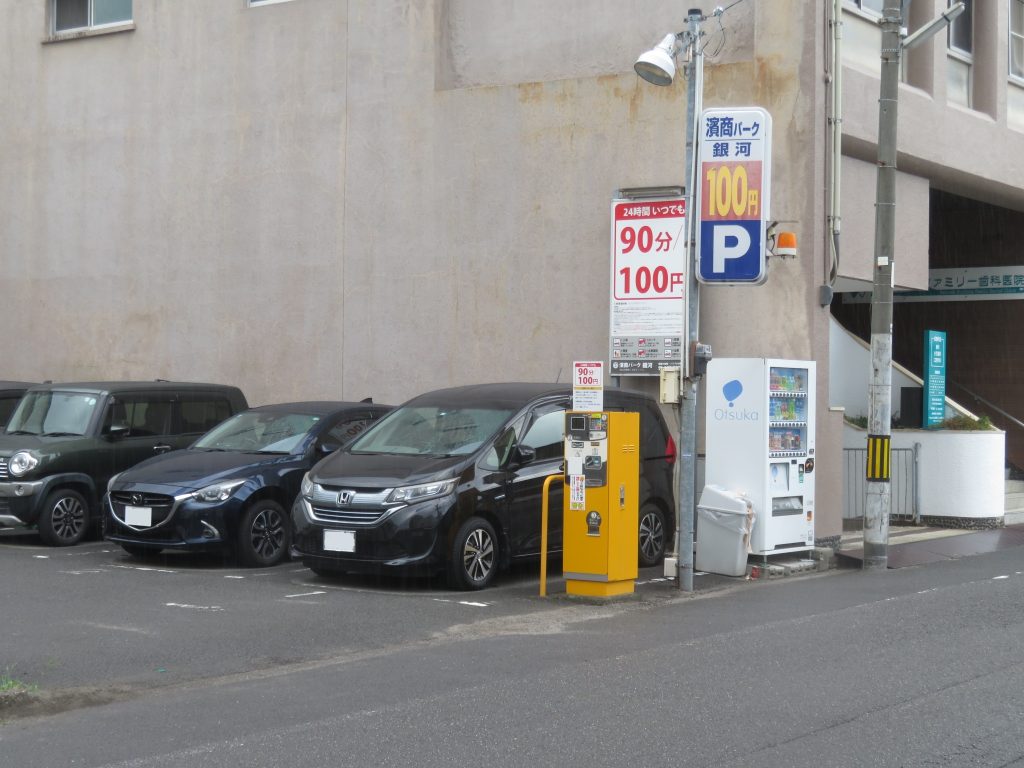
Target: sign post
(735,145)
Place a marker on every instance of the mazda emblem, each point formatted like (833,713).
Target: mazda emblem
(136,499)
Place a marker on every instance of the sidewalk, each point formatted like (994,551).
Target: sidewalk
(917,545)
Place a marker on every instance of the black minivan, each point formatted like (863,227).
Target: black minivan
(451,481)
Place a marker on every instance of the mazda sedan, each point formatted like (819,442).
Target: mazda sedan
(232,489)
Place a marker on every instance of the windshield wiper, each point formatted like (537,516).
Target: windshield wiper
(283,453)
(61,434)
(21,432)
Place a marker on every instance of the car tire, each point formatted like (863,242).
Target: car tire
(65,518)
(264,534)
(473,561)
(653,536)
(141,553)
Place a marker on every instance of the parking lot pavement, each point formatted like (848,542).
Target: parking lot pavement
(96,621)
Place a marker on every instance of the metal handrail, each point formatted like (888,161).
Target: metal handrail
(978,398)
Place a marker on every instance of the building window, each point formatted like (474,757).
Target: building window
(1017,38)
(70,15)
(872,6)
(960,47)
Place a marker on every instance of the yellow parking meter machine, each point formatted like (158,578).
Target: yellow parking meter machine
(602,472)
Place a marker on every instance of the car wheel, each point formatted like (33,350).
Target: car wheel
(264,534)
(653,535)
(474,556)
(141,553)
(65,518)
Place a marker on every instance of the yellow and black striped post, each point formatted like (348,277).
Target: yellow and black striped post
(878,458)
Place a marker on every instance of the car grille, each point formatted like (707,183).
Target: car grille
(160,504)
(349,507)
(4,475)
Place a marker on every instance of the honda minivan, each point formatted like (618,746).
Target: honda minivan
(451,482)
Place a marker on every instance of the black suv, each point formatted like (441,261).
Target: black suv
(452,480)
(233,488)
(65,441)
(10,394)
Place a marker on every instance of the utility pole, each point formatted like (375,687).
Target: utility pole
(688,391)
(657,66)
(878,502)
(879,497)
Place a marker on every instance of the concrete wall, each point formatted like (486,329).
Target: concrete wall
(321,198)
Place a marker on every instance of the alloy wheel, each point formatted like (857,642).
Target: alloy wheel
(68,518)
(652,535)
(267,534)
(478,555)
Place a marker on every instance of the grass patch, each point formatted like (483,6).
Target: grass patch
(10,684)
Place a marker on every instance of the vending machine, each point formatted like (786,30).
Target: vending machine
(759,442)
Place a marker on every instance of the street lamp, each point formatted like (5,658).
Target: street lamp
(657,66)
(878,500)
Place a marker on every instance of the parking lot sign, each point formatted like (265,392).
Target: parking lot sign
(734,170)
(648,279)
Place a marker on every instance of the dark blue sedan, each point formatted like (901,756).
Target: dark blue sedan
(232,489)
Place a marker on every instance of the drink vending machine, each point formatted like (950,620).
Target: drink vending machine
(759,442)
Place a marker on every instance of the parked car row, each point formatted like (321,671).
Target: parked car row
(449,482)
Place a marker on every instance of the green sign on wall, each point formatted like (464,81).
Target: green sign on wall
(934,401)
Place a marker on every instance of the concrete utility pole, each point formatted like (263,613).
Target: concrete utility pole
(878,502)
(879,498)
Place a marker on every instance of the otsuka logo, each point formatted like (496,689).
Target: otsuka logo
(732,391)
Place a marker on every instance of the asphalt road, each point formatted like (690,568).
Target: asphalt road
(915,667)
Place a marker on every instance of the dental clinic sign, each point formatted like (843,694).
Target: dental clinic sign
(734,174)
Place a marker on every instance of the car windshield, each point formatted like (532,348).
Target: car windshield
(259,431)
(53,413)
(431,430)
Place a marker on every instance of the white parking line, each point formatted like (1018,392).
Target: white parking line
(308,594)
(195,607)
(143,568)
(234,577)
(463,602)
(997,578)
(79,573)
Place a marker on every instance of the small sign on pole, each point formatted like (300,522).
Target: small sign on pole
(934,378)
(588,386)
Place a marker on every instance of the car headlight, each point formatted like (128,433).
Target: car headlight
(22,462)
(306,489)
(410,493)
(217,491)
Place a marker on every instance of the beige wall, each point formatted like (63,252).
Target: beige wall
(339,199)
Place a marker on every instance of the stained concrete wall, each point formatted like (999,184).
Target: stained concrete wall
(320,198)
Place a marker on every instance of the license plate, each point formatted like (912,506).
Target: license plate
(340,541)
(140,517)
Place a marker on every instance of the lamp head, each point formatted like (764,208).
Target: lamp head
(658,65)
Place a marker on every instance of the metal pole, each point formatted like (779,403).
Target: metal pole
(688,388)
(878,502)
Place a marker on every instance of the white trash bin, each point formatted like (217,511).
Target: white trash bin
(724,522)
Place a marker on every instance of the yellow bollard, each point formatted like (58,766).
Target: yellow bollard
(544,533)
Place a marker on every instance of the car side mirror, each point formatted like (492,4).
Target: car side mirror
(523,454)
(117,431)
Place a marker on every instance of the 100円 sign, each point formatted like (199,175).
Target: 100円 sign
(734,174)
(648,281)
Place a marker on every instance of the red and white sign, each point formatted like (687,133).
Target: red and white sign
(588,386)
(648,284)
